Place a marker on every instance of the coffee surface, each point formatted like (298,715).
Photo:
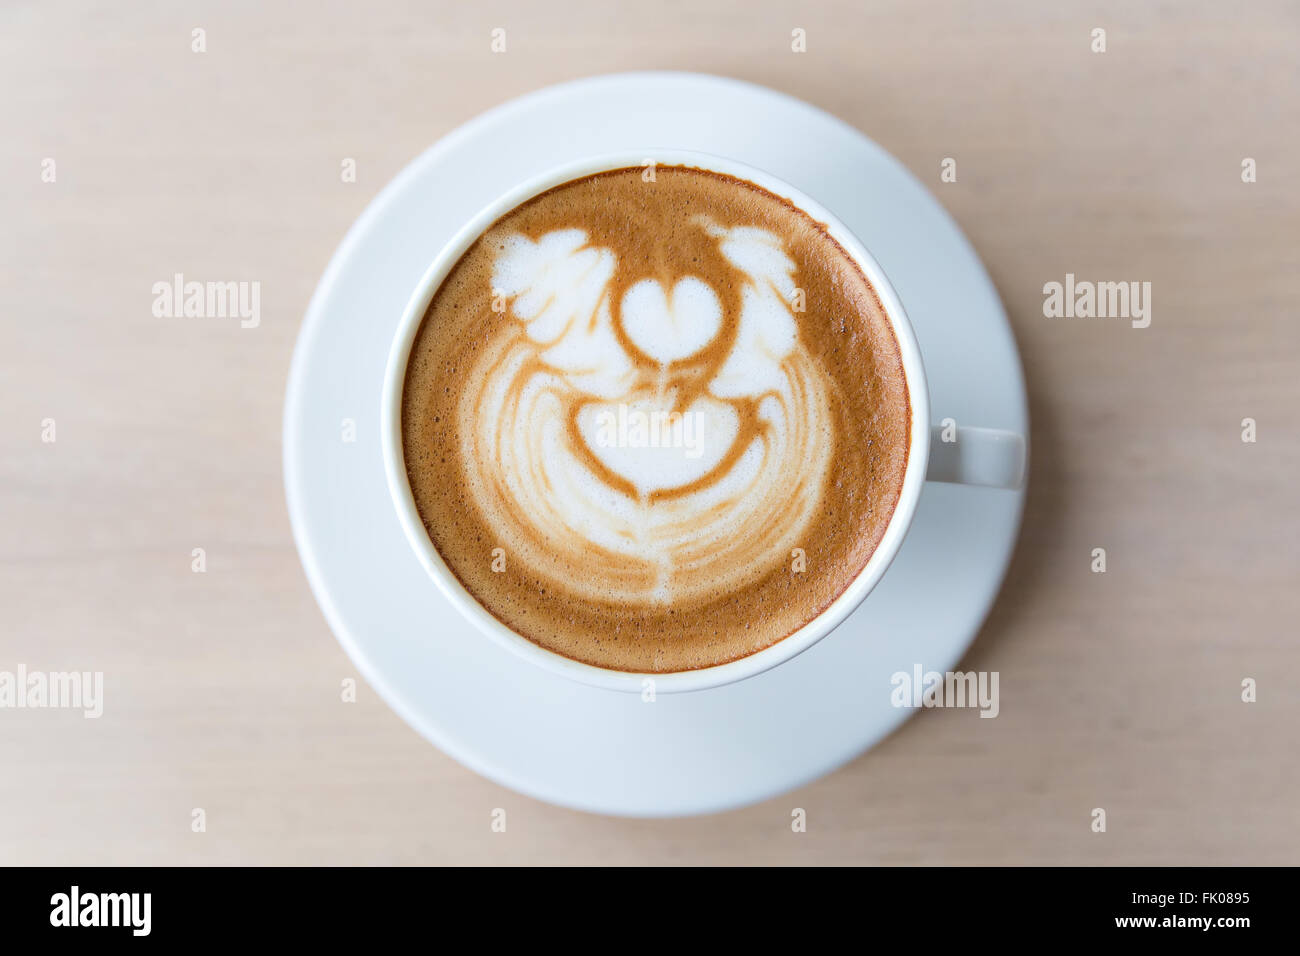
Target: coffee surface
(655,423)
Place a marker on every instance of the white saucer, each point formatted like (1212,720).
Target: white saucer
(544,735)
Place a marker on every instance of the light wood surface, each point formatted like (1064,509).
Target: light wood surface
(1119,690)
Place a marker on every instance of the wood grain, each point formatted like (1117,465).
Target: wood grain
(1119,690)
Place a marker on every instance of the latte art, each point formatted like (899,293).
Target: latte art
(673,527)
(651,411)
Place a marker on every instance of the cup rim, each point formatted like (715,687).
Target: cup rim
(634,681)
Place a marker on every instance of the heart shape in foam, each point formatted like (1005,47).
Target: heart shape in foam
(671,326)
(653,448)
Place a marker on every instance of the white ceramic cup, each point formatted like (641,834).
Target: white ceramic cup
(987,457)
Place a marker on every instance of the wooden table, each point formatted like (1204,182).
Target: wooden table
(1119,690)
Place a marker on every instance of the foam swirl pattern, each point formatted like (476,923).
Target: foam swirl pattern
(547,488)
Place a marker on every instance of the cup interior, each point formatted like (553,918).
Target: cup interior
(676,681)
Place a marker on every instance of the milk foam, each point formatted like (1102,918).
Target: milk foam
(734,474)
(559,291)
(673,325)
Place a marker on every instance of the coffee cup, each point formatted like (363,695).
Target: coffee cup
(977,456)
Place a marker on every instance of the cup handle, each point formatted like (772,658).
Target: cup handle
(978,456)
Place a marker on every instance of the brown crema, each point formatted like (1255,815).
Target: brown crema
(715,566)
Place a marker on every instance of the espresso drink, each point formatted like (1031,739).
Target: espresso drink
(655,423)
